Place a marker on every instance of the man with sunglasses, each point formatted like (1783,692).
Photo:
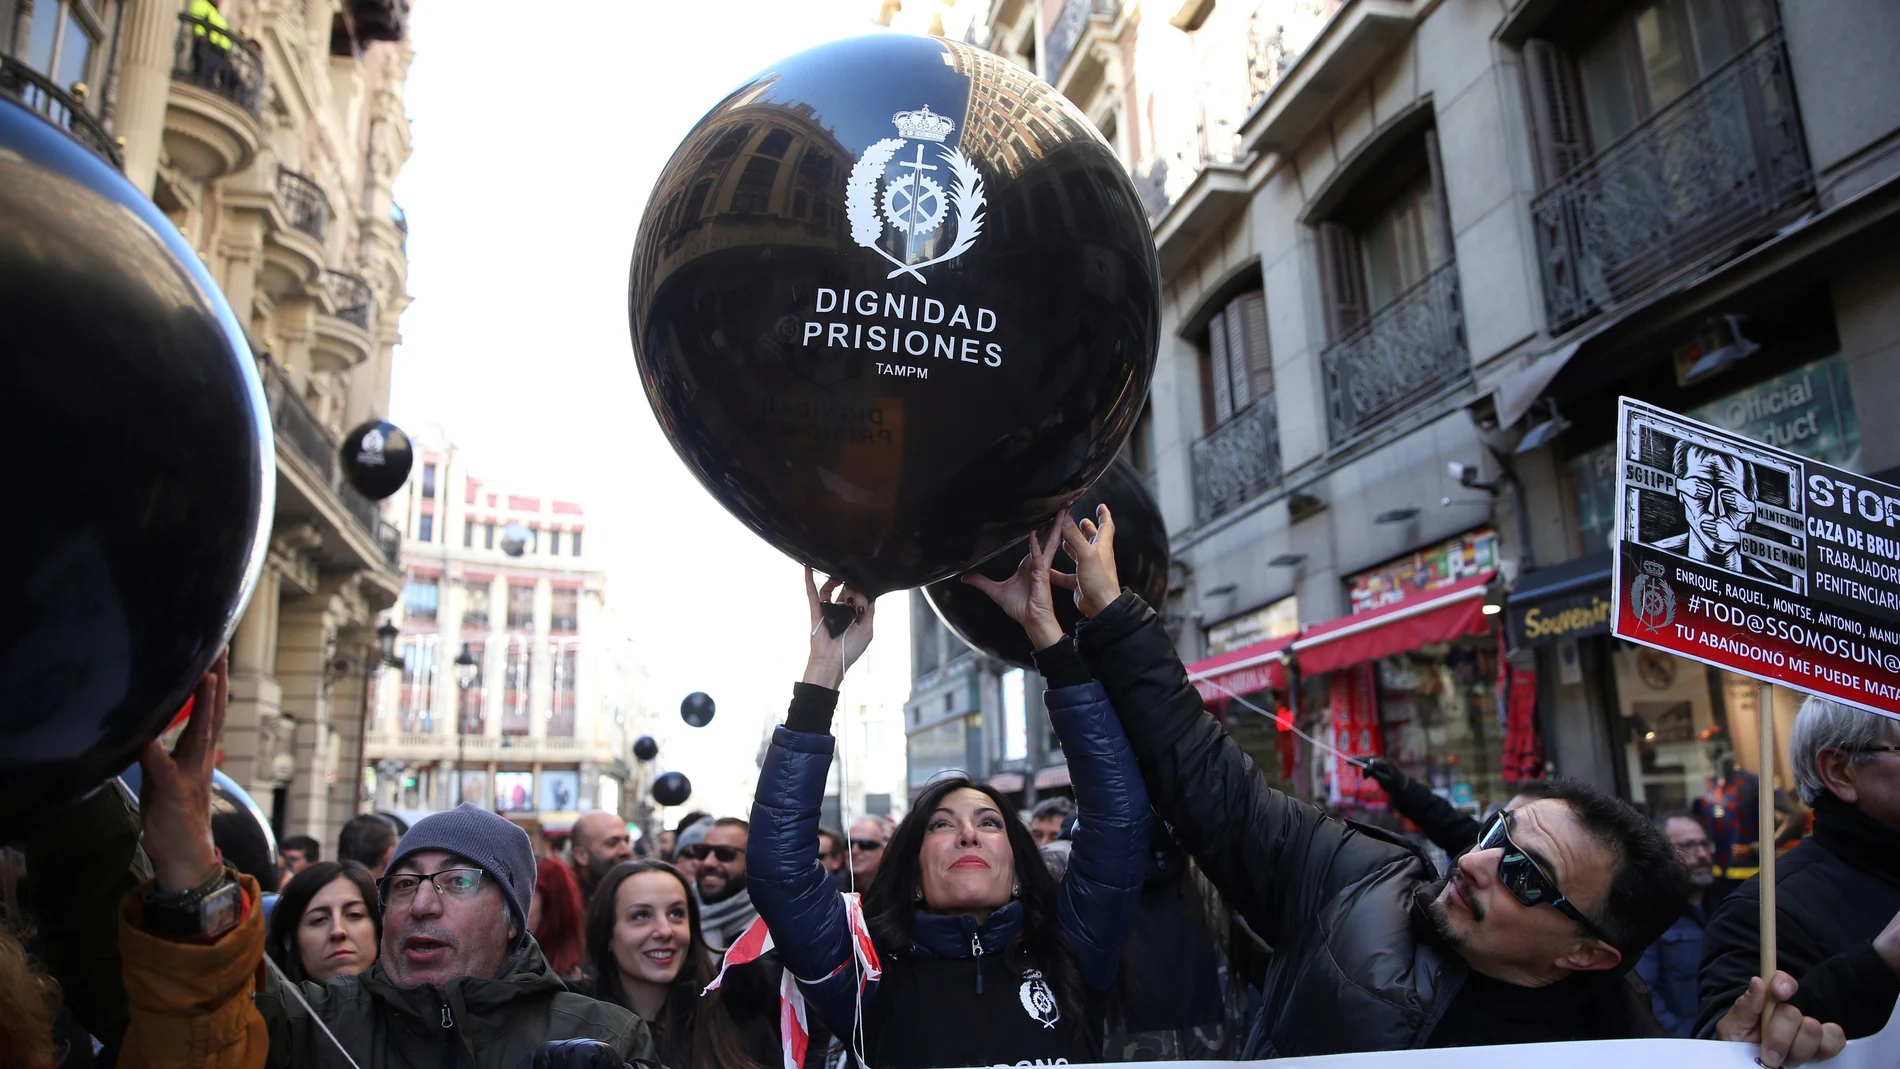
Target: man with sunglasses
(725,907)
(1837,899)
(869,836)
(1529,939)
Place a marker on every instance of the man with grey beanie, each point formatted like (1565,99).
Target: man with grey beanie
(459,979)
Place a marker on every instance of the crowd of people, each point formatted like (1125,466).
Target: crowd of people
(1177,907)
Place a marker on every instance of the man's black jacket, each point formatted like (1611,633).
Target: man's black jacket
(1833,894)
(1353,968)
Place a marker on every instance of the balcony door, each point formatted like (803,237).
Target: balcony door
(1648,56)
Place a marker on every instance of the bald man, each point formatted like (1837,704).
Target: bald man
(600,841)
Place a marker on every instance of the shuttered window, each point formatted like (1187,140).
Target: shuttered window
(1239,361)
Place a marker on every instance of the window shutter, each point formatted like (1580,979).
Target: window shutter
(1343,278)
(1220,369)
(1237,354)
(1253,331)
(1557,126)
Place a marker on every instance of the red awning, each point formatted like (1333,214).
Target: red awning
(1261,666)
(1417,620)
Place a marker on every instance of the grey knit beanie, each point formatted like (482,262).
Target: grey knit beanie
(692,836)
(495,844)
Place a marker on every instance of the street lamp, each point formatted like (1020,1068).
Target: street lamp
(386,644)
(467,675)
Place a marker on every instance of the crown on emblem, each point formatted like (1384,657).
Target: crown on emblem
(923,124)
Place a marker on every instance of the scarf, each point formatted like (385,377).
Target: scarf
(722,922)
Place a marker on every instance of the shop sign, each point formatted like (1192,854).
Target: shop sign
(1809,410)
(1276,620)
(1428,569)
(1356,733)
(1757,560)
(1575,615)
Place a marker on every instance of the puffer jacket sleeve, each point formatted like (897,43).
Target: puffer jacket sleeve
(1276,859)
(1101,892)
(1442,823)
(791,890)
(190,1003)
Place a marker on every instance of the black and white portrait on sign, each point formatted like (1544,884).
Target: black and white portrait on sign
(1713,499)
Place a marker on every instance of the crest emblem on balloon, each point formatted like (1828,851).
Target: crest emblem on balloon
(908,210)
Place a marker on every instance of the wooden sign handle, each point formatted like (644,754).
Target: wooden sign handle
(1765,847)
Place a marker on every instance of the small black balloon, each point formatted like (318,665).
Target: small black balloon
(645,748)
(1141,561)
(672,788)
(934,327)
(138,517)
(376,458)
(515,538)
(697,709)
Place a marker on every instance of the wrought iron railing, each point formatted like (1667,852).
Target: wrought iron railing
(1067,32)
(294,422)
(304,203)
(1410,350)
(220,59)
(1272,46)
(350,295)
(1237,460)
(1723,164)
(66,110)
(389,540)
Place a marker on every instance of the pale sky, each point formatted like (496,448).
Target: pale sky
(538,132)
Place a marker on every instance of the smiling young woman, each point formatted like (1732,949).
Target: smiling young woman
(647,952)
(986,958)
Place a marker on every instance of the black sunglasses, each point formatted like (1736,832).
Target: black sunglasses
(1524,878)
(700,851)
(867,845)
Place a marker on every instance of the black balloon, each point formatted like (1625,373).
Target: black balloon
(138,501)
(1141,561)
(645,748)
(376,458)
(672,788)
(894,302)
(697,709)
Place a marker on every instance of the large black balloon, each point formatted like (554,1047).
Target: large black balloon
(895,302)
(672,788)
(645,748)
(376,458)
(1141,561)
(140,492)
(697,709)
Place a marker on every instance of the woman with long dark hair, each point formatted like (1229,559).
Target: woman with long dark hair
(329,922)
(646,952)
(986,958)
(555,917)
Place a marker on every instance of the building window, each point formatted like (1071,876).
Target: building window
(425,528)
(517,685)
(924,650)
(428,481)
(554,543)
(565,616)
(475,605)
(1402,243)
(574,544)
(419,599)
(562,691)
(416,703)
(1651,54)
(520,607)
(63,40)
(1236,360)
(473,715)
(468,533)
(488,536)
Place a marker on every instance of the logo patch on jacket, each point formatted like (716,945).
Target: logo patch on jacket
(1038,1000)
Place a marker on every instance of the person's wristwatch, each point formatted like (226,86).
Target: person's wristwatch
(206,911)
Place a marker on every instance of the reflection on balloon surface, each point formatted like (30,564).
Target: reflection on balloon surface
(1141,562)
(141,495)
(894,302)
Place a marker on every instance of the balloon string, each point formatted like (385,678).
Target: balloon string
(1286,723)
(295,992)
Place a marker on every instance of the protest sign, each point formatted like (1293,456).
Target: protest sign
(1756,560)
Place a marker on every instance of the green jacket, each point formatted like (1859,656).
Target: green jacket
(474,1024)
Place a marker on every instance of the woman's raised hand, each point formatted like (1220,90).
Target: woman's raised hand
(830,656)
(1092,544)
(1027,596)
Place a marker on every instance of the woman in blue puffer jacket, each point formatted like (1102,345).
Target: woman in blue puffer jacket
(986,959)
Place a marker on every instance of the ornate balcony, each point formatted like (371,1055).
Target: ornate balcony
(1408,351)
(400,219)
(303,202)
(1237,460)
(221,60)
(301,432)
(66,110)
(1070,25)
(350,297)
(211,114)
(1721,166)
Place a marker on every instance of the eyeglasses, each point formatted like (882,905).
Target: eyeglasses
(866,845)
(454,883)
(1873,749)
(700,851)
(1524,878)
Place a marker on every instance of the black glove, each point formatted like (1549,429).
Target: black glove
(1384,773)
(575,1054)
